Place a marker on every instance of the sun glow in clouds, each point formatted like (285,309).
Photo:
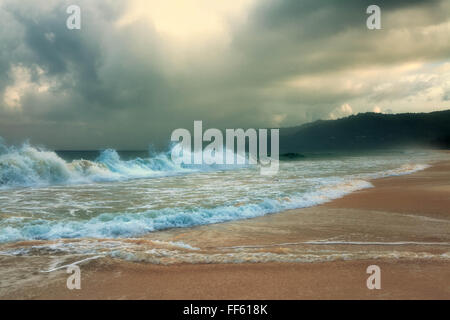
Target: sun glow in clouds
(22,84)
(186,19)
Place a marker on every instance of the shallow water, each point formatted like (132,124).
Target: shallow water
(63,204)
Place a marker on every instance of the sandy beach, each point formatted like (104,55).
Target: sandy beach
(403,223)
(227,150)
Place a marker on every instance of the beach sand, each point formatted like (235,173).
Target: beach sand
(412,208)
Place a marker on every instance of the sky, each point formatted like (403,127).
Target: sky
(139,69)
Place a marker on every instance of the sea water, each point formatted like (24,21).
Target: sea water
(114,196)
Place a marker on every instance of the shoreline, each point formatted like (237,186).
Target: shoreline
(426,189)
(410,208)
(266,281)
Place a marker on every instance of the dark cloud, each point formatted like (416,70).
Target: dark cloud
(126,87)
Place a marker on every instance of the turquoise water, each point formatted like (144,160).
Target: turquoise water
(46,195)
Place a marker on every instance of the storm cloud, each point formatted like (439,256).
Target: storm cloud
(139,69)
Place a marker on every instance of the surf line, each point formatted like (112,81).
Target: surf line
(355,243)
(72,264)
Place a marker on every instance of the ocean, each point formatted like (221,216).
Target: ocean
(94,203)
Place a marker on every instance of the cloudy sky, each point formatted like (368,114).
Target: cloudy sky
(138,69)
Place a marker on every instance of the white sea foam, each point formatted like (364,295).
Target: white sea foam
(28,165)
(378,243)
(135,224)
(124,208)
(164,256)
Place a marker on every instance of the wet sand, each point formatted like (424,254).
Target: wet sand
(413,208)
(422,193)
(329,280)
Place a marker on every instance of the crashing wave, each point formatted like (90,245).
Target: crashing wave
(29,165)
(125,225)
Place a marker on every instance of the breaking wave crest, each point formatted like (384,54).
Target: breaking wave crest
(245,197)
(28,165)
(132,224)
